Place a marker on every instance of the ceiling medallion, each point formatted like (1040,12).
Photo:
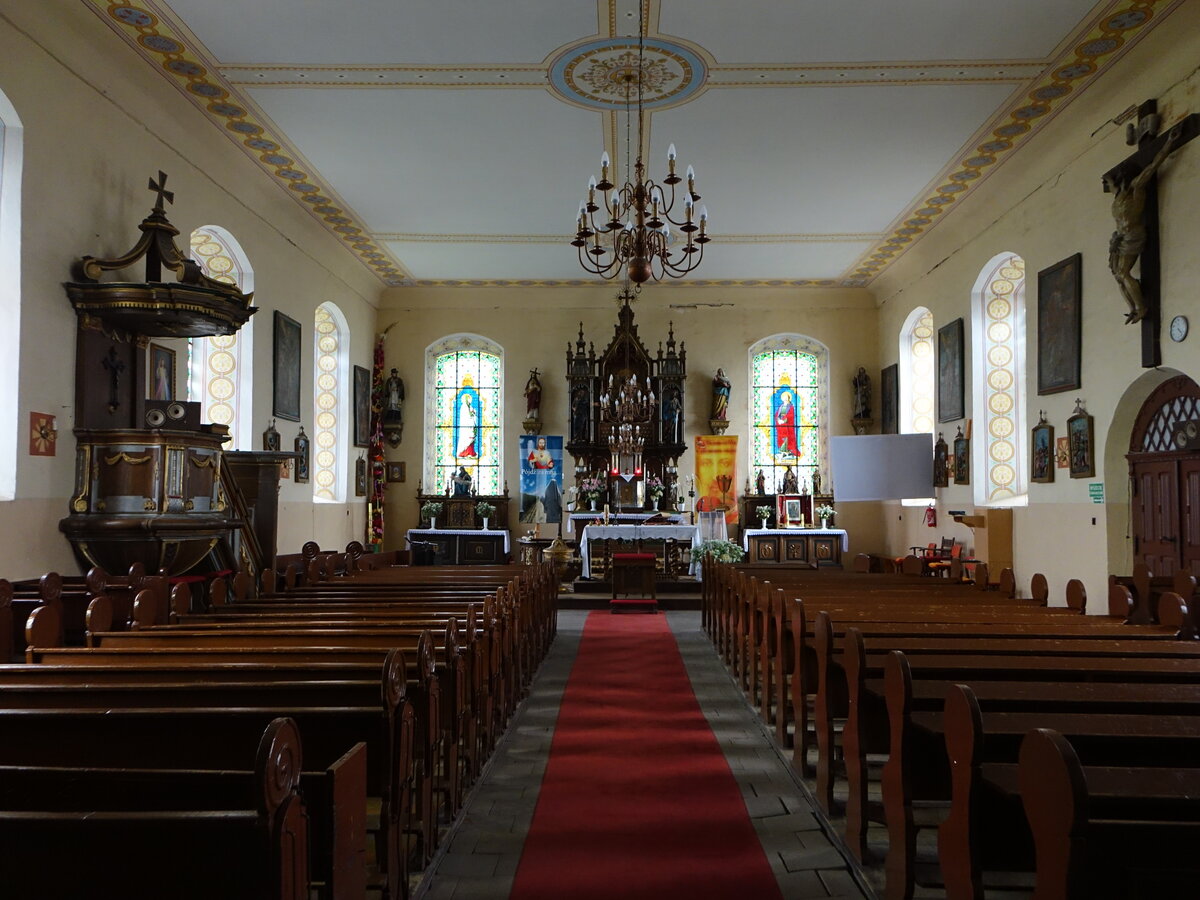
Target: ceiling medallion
(594,73)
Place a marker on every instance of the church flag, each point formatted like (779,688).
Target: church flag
(541,478)
(716,475)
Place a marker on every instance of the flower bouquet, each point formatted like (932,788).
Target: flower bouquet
(592,486)
(719,550)
(484,510)
(763,513)
(654,487)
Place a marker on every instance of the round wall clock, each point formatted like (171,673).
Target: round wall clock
(1179,328)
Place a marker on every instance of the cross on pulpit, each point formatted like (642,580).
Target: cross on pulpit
(161,192)
(114,367)
(1134,185)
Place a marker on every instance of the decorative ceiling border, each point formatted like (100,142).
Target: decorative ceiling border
(674,285)
(812,238)
(167,45)
(1110,35)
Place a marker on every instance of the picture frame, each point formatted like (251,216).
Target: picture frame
(789,513)
(360,477)
(950,396)
(1062,453)
(1081,445)
(962,459)
(1042,453)
(941,465)
(395,472)
(362,406)
(1060,325)
(302,448)
(160,372)
(285,395)
(889,399)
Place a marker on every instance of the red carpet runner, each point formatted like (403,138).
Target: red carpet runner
(638,800)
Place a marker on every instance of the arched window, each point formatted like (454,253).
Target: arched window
(998,346)
(789,381)
(220,368)
(11,138)
(917,373)
(331,342)
(464,398)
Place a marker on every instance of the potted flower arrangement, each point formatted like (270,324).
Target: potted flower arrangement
(824,513)
(430,511)
(655,488)
(485,511)
(763,513)
(592,486)
(719,550)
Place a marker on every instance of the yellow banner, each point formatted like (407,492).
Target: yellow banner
(716,474)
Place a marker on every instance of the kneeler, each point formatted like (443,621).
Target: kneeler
(633,574)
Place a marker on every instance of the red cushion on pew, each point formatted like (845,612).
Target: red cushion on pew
(187,579)
(633,556)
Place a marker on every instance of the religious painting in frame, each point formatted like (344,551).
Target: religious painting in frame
(162,373)
(1081,445)
(789,512)
(360,477)
(1060,328)
(395,472)
(285,397)
(950,398)
(1041,462)
(889,399)
(303,458)
(1062,453)
(362,406)
(541,478)
(941,464)
(962,459)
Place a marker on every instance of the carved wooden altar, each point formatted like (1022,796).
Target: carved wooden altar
(589,376)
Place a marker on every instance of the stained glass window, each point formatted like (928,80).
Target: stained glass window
(463,406)
(329,378)
(788,374)
(216,369)
(998,326)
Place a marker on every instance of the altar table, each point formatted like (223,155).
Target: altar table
(817,547)
(641,534)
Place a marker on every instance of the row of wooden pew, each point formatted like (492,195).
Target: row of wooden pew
(358,705)
(1049,749)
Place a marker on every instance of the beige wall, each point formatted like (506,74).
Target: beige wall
(1046,205)
(97,123)
(534,326)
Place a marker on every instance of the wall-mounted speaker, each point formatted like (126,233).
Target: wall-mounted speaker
(172,414)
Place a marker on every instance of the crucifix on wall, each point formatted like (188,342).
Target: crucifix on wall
(1134,186)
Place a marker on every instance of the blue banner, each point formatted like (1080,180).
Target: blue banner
(541,478)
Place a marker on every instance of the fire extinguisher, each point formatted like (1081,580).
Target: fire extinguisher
(931,516)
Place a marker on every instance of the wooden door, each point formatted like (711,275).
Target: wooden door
(1155,511)
(1189,514)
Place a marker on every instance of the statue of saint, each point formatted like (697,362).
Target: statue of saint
(720,397)
(533,395)
(760,483)
(816,481)
(462,482)
(393,392)
(1129,238)
(790,485)
(862,394)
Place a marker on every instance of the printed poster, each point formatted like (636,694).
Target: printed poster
(541,478)
(716,475)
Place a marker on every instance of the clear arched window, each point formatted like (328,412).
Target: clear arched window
(11,148)
(917,373)
(331,342)
(789,380)
(998,343)
(219,368)
(463,404)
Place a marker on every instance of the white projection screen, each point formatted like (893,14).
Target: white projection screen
(881,466)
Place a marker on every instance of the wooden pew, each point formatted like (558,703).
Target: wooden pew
(94,834)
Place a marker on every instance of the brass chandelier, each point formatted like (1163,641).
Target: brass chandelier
(634,235)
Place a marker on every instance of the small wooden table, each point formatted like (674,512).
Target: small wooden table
(633,573)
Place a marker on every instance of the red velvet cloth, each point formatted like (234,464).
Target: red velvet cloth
(633,556)
(637,800)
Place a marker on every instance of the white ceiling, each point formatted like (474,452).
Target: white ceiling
(432,136)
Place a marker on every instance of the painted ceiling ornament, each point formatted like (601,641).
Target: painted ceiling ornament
(597,73)
(612,76)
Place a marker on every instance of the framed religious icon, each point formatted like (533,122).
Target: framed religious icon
(302,458)
(1081,444)
(1041,463)
(950,395)
(941,465)
(162,373)
(889,399)
(962,459)
(360,477)
(394,472)
(1060,325)
(362,406)
(788,511)
(285,398)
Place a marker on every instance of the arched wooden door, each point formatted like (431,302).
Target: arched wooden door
(1164,465)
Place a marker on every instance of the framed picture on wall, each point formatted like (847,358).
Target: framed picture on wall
(1060,329)
(962,459)
(395,472)
(788,511)
(162,373)
(285,397)
(362,406)
(950,398)
(1081,444)
(1041,463)
(889,399)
